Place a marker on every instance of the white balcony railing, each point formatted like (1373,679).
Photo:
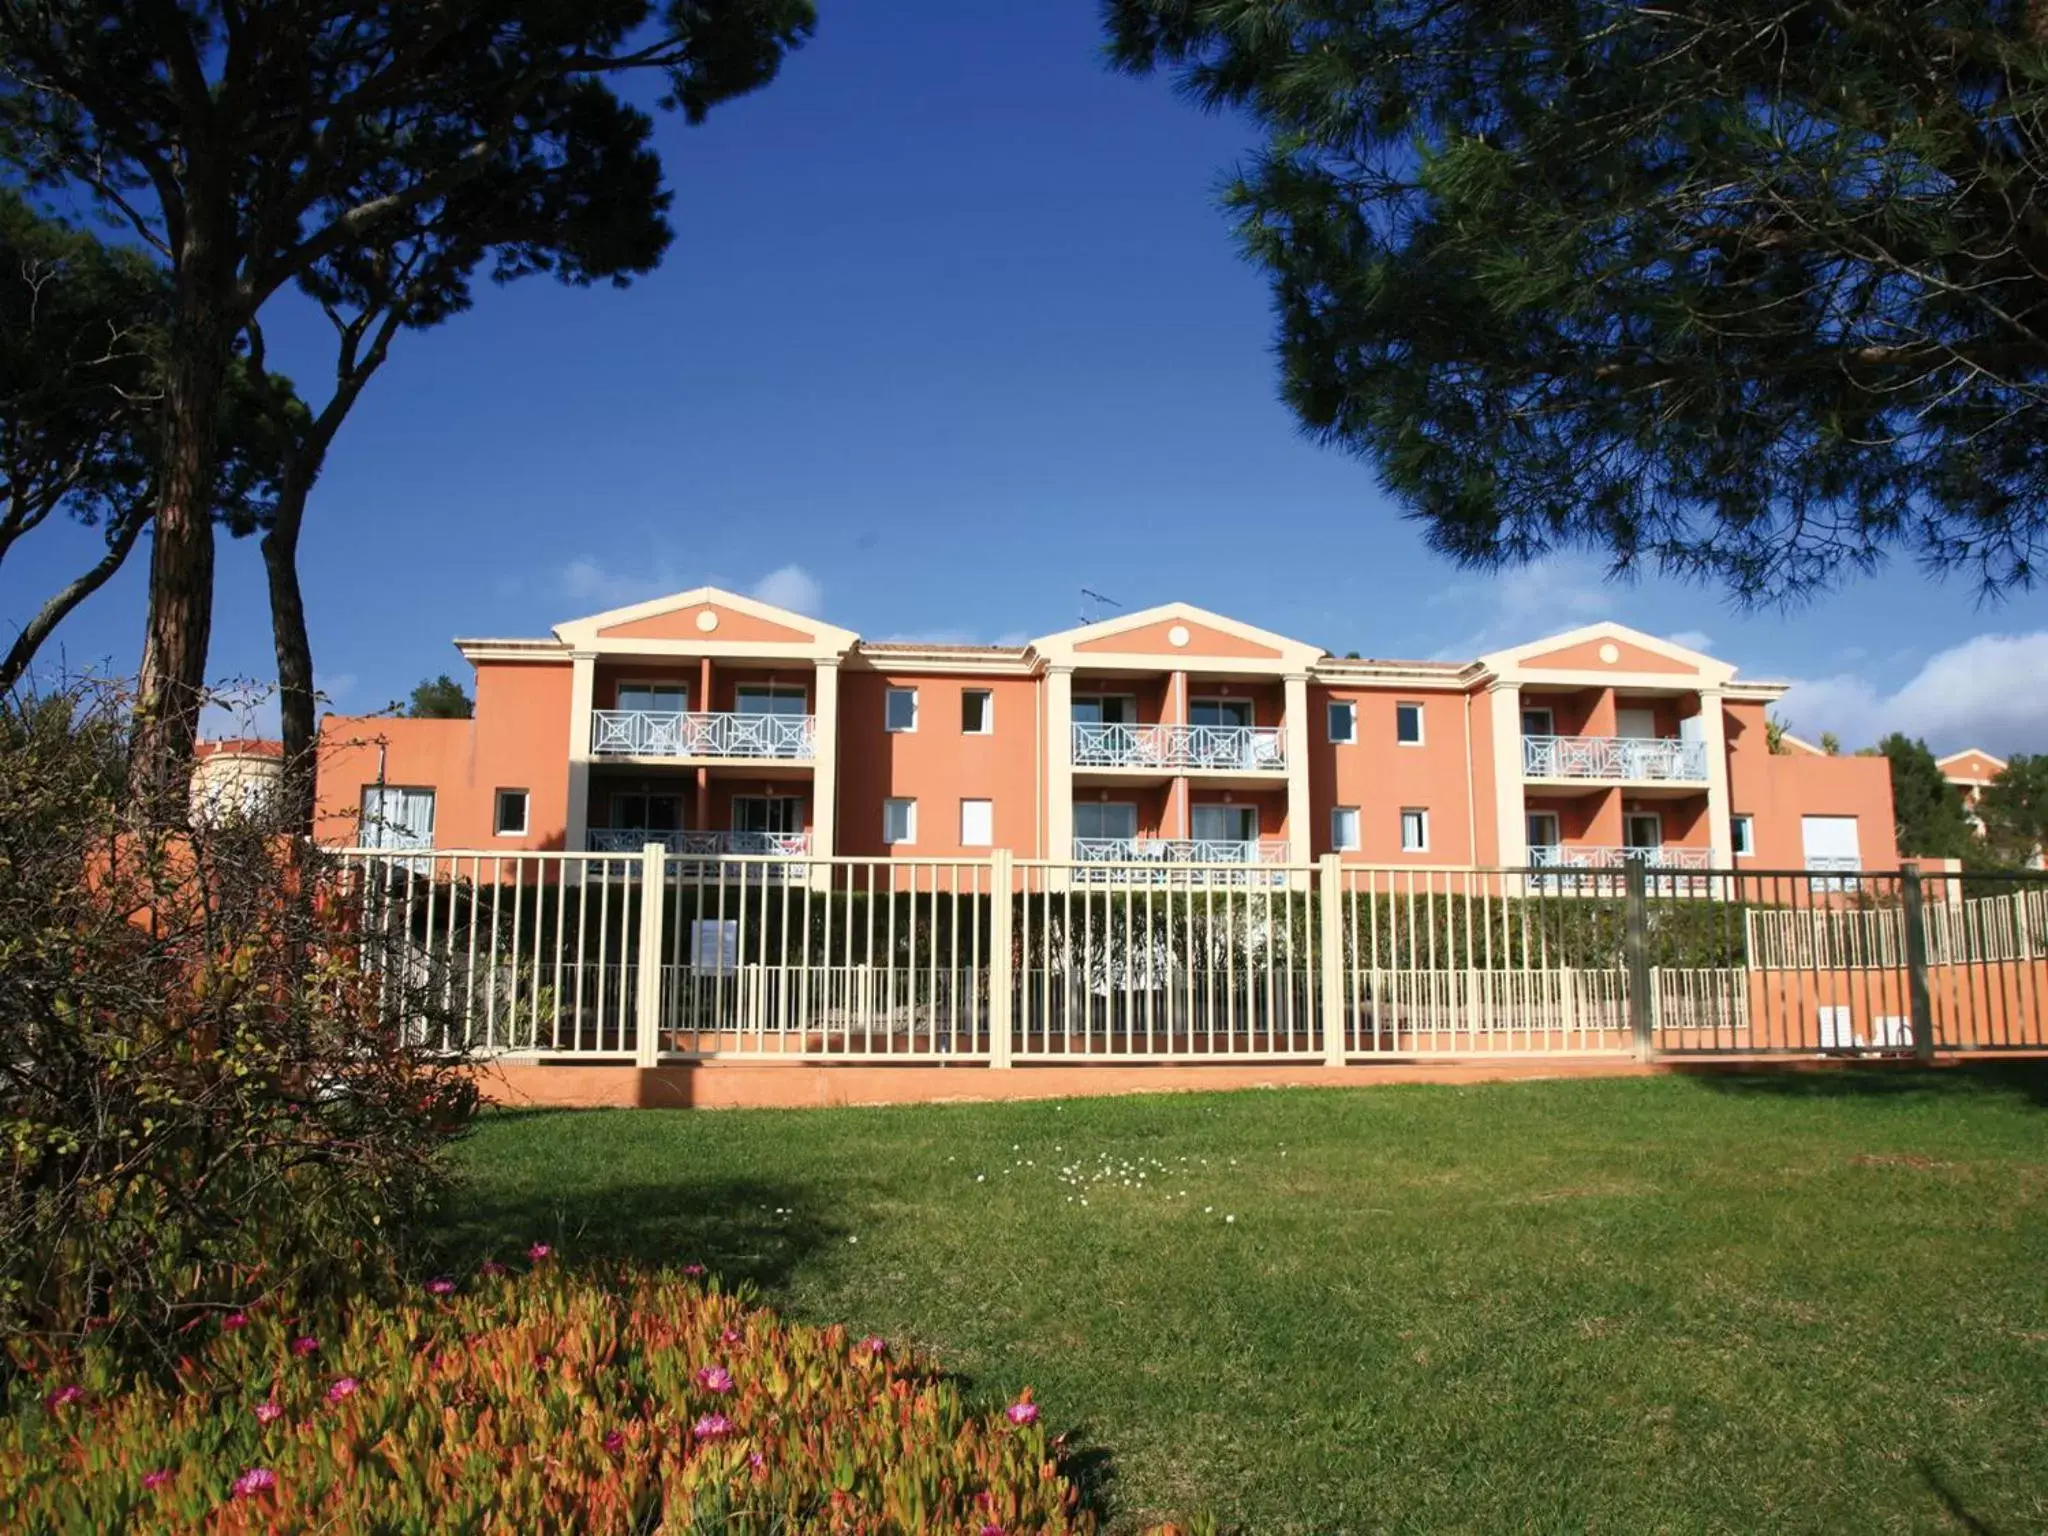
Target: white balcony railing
(700,844)
(656,733)
(1172,850)
(1614,757)
(1255,747)
(1583,856)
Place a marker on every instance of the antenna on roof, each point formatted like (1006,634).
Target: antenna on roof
(1091,597)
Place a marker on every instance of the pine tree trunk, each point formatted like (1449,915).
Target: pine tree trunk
(173,681)
(294,649)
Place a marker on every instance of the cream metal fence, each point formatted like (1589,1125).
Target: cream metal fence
(670,955)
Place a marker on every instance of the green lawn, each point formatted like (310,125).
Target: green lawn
(1784,1303)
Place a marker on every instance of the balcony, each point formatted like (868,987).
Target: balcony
(650,733)
(1177,861)
(1202,748)
(1595,856)
(1631,758)
(700,844)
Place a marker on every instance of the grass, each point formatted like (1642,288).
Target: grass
(1785,1303)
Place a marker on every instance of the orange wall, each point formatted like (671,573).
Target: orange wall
(1381,777)
(1776,791)
(938,764)
(519,739)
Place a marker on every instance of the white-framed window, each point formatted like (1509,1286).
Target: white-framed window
(899,711)
(1537,720)
(977,712)
(899,821)
(1414,830)
(1408,724)
(1105,820)
(510,817)
(1343,722)
(977,823)
(770,699)
(655,698)
(1105,709)
(397,818)
(1224,823)
(1742,833)
(1344,829)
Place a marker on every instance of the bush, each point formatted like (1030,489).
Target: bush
(203,1100)
(532,1399)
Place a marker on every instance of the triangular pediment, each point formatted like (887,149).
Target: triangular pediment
(1178,633)
(707,618)
(1607,649)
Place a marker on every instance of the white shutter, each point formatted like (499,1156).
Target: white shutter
(977,824)
(1832,839)
(1636,724)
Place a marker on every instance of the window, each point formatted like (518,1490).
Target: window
(1343,722)
(899,821)
(397,818)
(647,813)
(1831,844)
(900,714)
(767,816)
(1100,820)
(1742,832)
(977,712)
(1344,829)
(768,699)
(511,818)
(655,698)
(1538,721)
(1105,709)
(1224,823)
(1415,831)
(1543,835)
(1236,712)
(977,823)
(1642,830)
(1408,724)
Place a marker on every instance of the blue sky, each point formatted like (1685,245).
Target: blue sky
(952,327)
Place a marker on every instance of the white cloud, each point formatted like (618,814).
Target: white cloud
(1987,691)
(1527,602)
(792,587)
(1693,640)
(587,580)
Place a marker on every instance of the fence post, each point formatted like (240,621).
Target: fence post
(1002,959)
(647,978)
(1330,911)
(1636,900)
(1910,897)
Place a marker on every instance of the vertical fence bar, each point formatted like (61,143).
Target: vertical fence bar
(1635,890)
(647,955)
(1916,963)
(1330,912)
(1001,957)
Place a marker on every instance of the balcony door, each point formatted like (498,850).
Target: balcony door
(655,698)
(1225,823)
(1542,825)
(1642,833)
(1105,709)
(1236,712)
(647,813)
(779,814)
(1538,721)
(1096,820)
(1636,724)
(769,699)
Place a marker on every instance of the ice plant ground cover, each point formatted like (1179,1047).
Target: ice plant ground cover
(1796,1302)
(528,1398)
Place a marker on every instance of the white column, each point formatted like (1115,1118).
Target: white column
(1059,763)
(1510,808)
(1720,819)
(582,686)
(825,760)
(1294,719)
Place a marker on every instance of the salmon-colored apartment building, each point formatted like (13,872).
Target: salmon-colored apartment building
(716,723)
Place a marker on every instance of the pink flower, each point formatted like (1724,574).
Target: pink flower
(731,1336)
(346,1387)
(440,1285)
(614,1443)
(491,1268)
(693,1270)
(756,1460)
(1023,1411)
(305,1345)
(152,1481)
(269,1412)
(538,1252)
(715,1378)
(235,1320)
(255,1480)
(875,1344)
(990,1528)
(713,1426)
(64,1397)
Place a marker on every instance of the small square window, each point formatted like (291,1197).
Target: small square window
(1408,724)
(1343,722)
(977,823)
(1415,831)
(511,818)
(977,712)
(901,711)
(899,821)
(1742,832)
(1344,829)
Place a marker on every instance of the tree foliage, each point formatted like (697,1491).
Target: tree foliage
(1929,813)
(440,698)
(255,146)
(2014,811)
(1749,290)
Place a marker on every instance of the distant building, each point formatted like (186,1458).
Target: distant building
(235,778)
(1971,772)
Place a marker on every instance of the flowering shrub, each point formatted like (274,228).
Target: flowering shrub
(534,1400)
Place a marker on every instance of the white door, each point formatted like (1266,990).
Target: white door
(1830,842)
(1636,724)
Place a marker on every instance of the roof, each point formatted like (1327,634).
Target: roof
(237,746)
